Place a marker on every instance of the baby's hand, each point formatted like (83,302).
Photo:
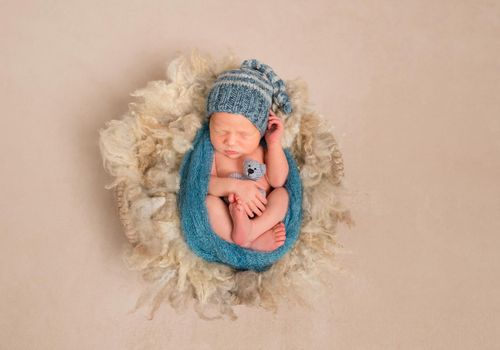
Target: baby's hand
(275,129)
(251,198)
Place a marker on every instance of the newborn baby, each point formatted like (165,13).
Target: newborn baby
(250,220)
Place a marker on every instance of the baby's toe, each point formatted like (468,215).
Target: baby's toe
(279,237)
(279,230)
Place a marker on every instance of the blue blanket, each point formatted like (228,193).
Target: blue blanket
(191,202)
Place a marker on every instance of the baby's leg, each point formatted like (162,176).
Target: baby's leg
(219,218)
(261,233)
(267,241)
(271,239)
(276,208)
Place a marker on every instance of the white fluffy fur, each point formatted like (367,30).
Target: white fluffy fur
(143,152)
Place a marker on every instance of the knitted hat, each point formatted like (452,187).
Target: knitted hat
(249,91)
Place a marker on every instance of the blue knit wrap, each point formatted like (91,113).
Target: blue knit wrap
(194,174)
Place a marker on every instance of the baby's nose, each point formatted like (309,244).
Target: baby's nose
(230,140)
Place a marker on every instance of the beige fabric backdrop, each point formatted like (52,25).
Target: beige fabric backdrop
(411,88)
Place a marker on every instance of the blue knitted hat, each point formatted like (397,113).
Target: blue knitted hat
(249,91)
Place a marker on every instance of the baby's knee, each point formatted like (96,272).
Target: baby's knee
(213,201)
(281,191)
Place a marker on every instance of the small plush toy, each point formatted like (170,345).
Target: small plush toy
(252,170)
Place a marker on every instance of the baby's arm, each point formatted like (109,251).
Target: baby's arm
(222,186)
(274,156)
(276,165)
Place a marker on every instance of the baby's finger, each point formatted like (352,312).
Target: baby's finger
(260,205)
(238,200)
(272,126)
(255,209)
(277,121)
(248,210)
(262,198)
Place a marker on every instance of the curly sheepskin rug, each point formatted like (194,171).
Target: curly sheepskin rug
(143,151)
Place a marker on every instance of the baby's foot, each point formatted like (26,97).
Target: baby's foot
(241,222)
(271,239)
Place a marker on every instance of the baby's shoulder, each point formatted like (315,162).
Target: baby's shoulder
(260,153)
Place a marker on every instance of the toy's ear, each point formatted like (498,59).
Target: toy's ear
(263,168)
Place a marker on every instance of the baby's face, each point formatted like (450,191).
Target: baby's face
(233,132)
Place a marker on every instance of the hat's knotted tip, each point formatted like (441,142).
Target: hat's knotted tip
(280,96)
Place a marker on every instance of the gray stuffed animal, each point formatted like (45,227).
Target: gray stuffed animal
(252,170)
